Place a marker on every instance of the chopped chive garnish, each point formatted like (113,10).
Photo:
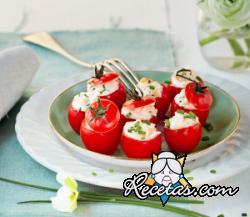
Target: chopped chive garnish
(205,138)
(221,215)
(128,115)
(94,174)
(180,111)
(146,122)
(137,124)
(141,132)
(213,171)
(104,88)
(151,87)
(137,129)
(186,171)
(244,214)
(190,115)
(110,170)
(167,123)
(208,127)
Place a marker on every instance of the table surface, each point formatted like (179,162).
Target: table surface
(177,18)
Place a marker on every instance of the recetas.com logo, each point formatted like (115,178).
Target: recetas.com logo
(167,179)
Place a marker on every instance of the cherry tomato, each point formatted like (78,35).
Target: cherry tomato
(162,103)
(75,118)
(140,149)
(135,104)
(119,95)
(172,91)
(101,129)
(201,114)
(200,97)
(104,78)
(183,140)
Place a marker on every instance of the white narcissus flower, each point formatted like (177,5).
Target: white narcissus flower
(227,13)
(66,198)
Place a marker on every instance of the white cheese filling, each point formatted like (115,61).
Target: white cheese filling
(180,82)
(183,120)
(182,100)
(150,87)
(140,130)
(141,113)
(81,101)
(102,89)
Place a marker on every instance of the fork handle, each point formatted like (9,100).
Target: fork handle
(45,40)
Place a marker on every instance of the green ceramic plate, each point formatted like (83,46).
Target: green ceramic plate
(224,116)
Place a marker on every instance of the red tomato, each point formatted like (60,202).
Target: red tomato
(201,114)
(118,96)
(134,104)
(101,129)
(140,149)
(183,140)
(173,91)
(139,103)
(75,118)
(201,99)
(162,103)
(104,78)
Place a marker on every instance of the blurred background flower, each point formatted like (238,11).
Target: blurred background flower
(227,13)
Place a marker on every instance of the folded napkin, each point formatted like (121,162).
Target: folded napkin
(18,65)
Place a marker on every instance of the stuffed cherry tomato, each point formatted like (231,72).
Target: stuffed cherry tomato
(179,80)
(76,110)
(199,96)
(107,86)
(183,132)
(101,129)
(140,138)
(151,88)
(201,105)
(140,109)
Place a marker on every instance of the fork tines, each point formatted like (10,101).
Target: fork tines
(127,76)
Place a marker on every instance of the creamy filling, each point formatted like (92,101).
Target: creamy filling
(102,89)
(180,82)
(182,100)
(150,87)
(140,113)
(81,101)
(182,119)
(140,130)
